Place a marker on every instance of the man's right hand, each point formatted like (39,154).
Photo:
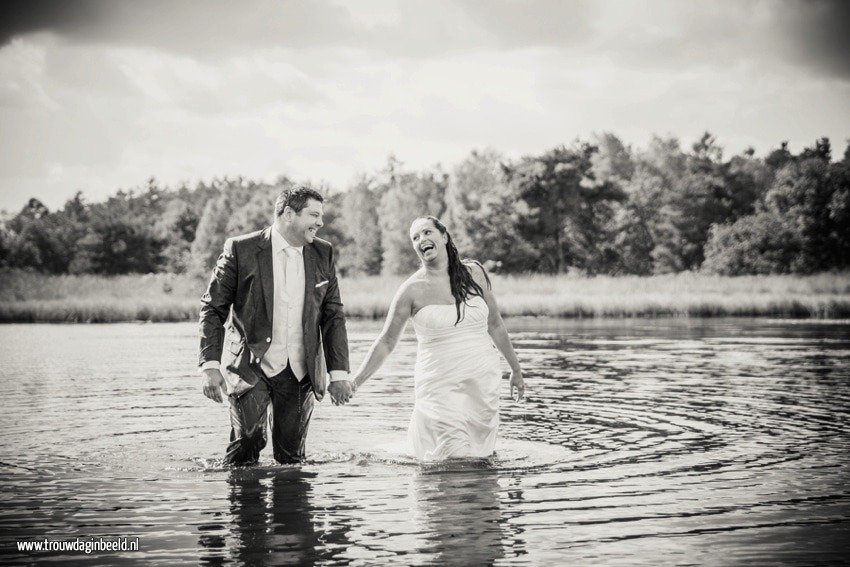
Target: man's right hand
(341,391)
(213,384)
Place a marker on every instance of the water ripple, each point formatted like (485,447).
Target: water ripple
(641,442)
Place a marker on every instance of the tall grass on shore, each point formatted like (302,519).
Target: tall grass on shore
(28,297)
(674,295)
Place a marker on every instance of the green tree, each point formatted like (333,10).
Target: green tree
(776,159)
(39,239)
(406,197)
(567,208)
(334,229)
(254,214)
(839,209)
(649,238)
(698,200)
(762,243)
(176,229)
(800,224)
(627,238)
(612,162)
(676,197)
(802,193)
(229,196)
(746,181)
(5,240)
(361,253)
(117,245)
(482,214)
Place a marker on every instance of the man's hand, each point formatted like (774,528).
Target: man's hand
(341,392)
(213,384)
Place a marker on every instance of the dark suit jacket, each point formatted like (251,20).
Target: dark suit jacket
(242,288)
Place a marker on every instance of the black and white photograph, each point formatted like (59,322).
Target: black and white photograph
(392,282)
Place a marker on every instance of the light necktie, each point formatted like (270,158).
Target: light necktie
(293,266)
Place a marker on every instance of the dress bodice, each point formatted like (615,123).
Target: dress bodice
(436,322)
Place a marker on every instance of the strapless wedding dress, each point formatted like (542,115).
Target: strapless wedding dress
(457,378)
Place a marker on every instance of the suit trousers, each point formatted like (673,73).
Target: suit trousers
(292,405)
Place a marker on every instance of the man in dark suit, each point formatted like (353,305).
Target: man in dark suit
(273,310)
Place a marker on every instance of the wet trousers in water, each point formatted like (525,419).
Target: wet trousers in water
(291,405)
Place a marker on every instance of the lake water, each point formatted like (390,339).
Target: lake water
(642,442)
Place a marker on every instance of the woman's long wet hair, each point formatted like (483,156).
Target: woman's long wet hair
(460,278)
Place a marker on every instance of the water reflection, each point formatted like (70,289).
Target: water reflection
(676,442)
(275,520)
(461,514)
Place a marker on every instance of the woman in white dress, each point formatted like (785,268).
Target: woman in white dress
(457,374)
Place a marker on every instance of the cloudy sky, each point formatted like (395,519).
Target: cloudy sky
(99,95)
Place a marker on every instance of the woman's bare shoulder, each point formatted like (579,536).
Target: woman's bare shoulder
(412,286)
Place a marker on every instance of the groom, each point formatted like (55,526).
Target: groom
(285,328)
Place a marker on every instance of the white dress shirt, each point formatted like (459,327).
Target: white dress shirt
(287,341)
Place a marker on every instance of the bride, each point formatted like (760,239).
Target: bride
(457,373)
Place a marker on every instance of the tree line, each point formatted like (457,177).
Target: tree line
(593,207)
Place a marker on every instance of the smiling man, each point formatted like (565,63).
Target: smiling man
(272,320)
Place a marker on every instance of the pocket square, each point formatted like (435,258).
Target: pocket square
(320,284)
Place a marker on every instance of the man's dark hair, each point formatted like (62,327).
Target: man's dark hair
(295,198)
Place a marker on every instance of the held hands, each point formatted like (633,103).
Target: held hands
(517,383)
(341,391)
(213,384)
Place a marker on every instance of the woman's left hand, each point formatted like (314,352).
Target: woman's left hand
(517,383)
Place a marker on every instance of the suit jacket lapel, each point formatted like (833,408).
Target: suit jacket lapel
(316,366)
(309,283)
(264,261)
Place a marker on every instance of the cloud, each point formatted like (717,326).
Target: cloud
(820,34)
(810,35)
(217,28)
(23,76)
(20,17)
(232,85)
(533,23)
(663,33)
(202,29)
(111,92)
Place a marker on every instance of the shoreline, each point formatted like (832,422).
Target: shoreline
(68,312)
(27,297)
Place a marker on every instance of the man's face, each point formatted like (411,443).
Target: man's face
(303,225)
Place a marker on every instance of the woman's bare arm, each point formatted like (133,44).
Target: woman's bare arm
(400,311)
(498,332)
